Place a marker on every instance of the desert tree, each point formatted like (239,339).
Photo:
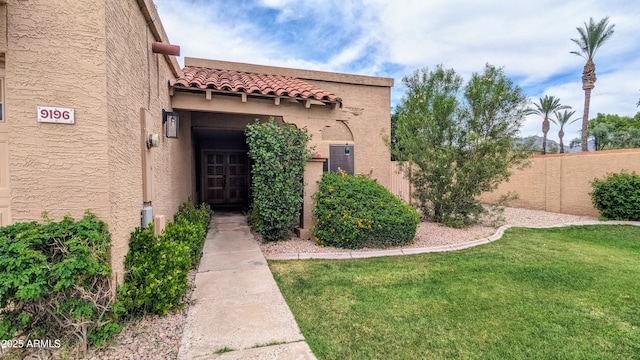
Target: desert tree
(457,140)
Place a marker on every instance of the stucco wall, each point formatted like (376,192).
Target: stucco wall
(368,117)
(561,183)
(96,58)
(127,59)
(3,28)
(56,57)
(137,79)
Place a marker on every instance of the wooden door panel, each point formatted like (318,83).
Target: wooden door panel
(225,177)
(214,177)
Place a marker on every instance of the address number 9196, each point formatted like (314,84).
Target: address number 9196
(55,115)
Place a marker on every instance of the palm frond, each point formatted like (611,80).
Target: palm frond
(592,36)
(547,105)
(563,118)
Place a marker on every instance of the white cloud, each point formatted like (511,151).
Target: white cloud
(530,39)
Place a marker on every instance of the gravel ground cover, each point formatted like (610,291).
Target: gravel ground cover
(155,337)
(433,234)
(152,337)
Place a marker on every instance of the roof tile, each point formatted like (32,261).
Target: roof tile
(250,83)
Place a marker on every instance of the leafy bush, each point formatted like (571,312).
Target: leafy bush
(200,215)
(54,281)
(157,269)
(456,140)
(280,155)
(253,218)
(617,196)
(355,211)
(158,266)
(195,222)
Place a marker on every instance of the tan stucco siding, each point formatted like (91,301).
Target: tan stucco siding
(127,59)
(137,79)
(95,58)
(3,28)
(173,167)
(56,57)
(367,111)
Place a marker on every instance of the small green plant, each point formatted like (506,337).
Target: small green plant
(158,266)
(200,215)
(54,281)
(270,343)
(253,218)
(617,196)
(280,155)
(195,222)
(223,350)
(157,269)
(355,211)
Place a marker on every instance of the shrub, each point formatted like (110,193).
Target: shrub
(355,211)
(200,215)
(158,266)
(54,281)
(279,156)
(157,270)
(253,218)
(617,196)
(195,222)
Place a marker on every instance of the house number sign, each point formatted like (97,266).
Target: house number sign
(49,114)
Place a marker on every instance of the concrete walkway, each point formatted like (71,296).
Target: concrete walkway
(237,310)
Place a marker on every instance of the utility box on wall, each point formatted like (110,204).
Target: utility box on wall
(146,217)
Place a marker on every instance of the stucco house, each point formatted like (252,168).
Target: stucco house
(95,115)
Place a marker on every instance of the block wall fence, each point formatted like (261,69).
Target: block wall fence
(558,183)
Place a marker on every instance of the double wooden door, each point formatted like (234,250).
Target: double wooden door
(225,177)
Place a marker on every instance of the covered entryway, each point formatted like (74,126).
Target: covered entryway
(219,99)
(222,164)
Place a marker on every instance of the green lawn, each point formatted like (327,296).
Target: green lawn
(563,293)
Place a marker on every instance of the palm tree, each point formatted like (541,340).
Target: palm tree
(562,119)
(548,104)
(592,36)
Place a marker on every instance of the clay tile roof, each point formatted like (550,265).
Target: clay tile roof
(260,84)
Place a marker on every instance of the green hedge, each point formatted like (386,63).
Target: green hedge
(55,276)
(355,211)
(158,266)
(195,222)
(54,281)
(617,196)
(279,155)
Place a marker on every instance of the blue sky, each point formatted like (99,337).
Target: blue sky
(530,39)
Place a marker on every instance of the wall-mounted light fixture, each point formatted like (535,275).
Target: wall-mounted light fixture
(347,150)
(172,122)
